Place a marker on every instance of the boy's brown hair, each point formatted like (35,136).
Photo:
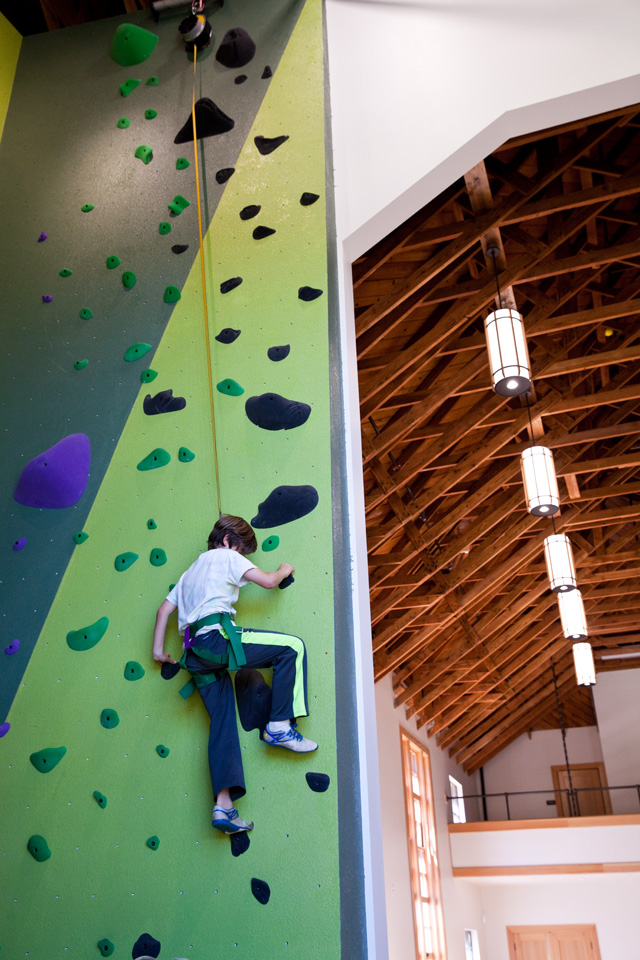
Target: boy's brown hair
(239,532)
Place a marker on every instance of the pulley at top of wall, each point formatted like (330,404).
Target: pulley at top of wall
(195,29)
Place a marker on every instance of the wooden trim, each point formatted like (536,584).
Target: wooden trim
(552,936)
(486,826)
(538,870)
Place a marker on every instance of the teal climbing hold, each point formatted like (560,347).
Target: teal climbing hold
(148,375)
(185,455)
(80,537)
(132,44)
(157,557)
(112,262)
(45,760)
(80,364)
(150,114)
(87,207)
(135,351)
(178,204)
(65,272)
(123,123)
(270,543)
(153,843)
(164,228)
(144,153)
(105,947)
(171,295)
(153,82)
(87,637)
(162,751)
(109,718)
(38,848)
(85,314)
(151,524)
(100,799)
(157,458)
(125,560)
(231,387)
(182,163)
(129,86)
(133,670)
(129,279)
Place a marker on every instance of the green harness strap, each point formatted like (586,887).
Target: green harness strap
(234,657)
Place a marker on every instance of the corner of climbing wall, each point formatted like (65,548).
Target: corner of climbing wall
(10,43)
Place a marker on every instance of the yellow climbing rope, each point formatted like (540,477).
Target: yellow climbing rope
(204,288)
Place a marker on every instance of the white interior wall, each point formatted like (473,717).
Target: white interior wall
(620,734)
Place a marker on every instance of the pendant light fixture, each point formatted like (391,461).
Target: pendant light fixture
(583,662)
(560,567)
(540,483)
(506,345)
(572,615)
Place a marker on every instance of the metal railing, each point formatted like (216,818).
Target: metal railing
(573,801)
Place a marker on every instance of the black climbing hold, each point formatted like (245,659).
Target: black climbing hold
(123,123)
(112,262)
(153,843)
(105,947)
(12,648)
(185,455)
(319,782)
(179,247)
(80,537)
(20,544)
(129,279)
(45,760)
(240,79)
(261,232)
(38,848)
(157,557)
(228,335)
(146,946)
(161,750)
(151,524)
(308,198)
(100,799)
(178,204)
(65,272)
(150,114)
(136,350)
(169,670)
(266,73)
(309,293)
(260,890)
(87,637)
(182,163)
(172,294)
(133,670)
(278,353)
(227,285)
(129,86)
(253,696)
(164,228)
(157,458)
(85,314)
(223,175)
(109,718)
(125,560)
(230,387)
(42,237)
(267,145)
(237,48)
(286,582)
(285,504)
(270,411)
(271,543)
(148,375)
(210,121)
(247,213)
(163,402)
(46,298)
(240,843)
(57,477)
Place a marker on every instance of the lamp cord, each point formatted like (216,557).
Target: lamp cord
(574,809)
(494,256)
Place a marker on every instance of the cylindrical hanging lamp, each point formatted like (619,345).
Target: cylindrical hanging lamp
(560,566)
(508,354)
(583,662)
(572,615)
(539,479)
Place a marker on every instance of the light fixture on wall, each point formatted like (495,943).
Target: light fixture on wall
(572,615)
(560,567)
(540,483)
(506,345)
(583,662)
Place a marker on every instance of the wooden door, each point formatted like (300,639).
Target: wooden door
(593,803)
(566,942)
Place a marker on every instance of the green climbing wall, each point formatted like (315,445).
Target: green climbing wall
(102,879)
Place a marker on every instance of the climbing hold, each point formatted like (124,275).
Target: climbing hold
(179,247)
(133,670)
(80,537)
(42,237)
(239,843)
(240,79)
(144,153)
(319,782)
(260,890)
(148,375)
(132,44)
(4,729)
(57,477)
(87,207)
(85,314)
(210,122)
(46,298)
(12,648)
(309,293)
(231,387)
(237,48)
(65,272)
(87,637)
(123,123)
(151,524)
(112,262)
(271,543)
(253,696)
(150,114)
(278,353)
(172,294)
(308,198)
(129,279)
(169,670)
(100,799)
(136,350)
(153,843)
(163,402)
(105,946)
(266,73)
(153,82)
(228,285)
(129,86)
(145,946)
(109,718)
(247,213)
(80,364)
(157,557)
(270,411)
(20,544)
(38,848)
(182,163)
(45,760)
(223,175)
(267,145)
(125,560)
(285,504)
(164,228)
(228,335)
(157,458)
(178,204)
(261,232)
(161,750)
(286,582)
(185,455)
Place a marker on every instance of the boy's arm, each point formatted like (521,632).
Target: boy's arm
(269,580)
(164,612)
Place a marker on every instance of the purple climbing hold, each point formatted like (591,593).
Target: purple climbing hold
(4,728)
(56,478)
(46,298)
(13,647)
(42,237)
(20,544)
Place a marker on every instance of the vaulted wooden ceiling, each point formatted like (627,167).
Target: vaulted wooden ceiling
(462,613)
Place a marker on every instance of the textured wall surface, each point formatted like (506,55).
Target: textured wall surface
(10,42)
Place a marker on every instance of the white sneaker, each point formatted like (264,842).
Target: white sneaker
(228,821)
(290,739)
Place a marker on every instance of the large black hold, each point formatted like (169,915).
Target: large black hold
(247,213)
(319,782)
(239,844)
(169,670)
(253,696)
(228,335)
(260,890)
(210,121)
(228,285)
(309,293)
(308,198)
(223,175)
(273,412)
(267,145)
(237,48)
(279,353)
(145,946)
(261,232)
(163,402)
(179,247)
(285,504)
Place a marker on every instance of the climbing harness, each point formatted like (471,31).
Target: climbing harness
(233,658)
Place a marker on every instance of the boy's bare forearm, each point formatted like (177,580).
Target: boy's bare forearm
(162,616)
(269,580)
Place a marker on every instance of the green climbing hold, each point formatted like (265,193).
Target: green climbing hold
(136,350)
(144,153)
(123,123)
(182,163)
(162,751)
(157,458)
(100,799)
(80,537)
(171,295)
(270,543)
(148,375)
(133,670)
(45,760)
(112,262)
(157,557)
(164,228)
(153,843)
(153,82)
(87,207)
(38,848)
(185,455)
(132,44)
(231,387)
(125,560)
(105,947)
(129,279)
(109,718)
(150,114)
(151,524)
(80,364)
(85,314)
(129,86)
(65,272)
(87,637)
(178,204)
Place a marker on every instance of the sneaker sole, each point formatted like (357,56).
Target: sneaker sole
(285,746)
(225,827)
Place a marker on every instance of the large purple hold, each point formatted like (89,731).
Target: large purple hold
(12,648)
(56,478)
(4,728)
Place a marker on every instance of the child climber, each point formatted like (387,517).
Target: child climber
(204,597)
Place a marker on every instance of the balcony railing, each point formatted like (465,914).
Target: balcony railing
(572,796)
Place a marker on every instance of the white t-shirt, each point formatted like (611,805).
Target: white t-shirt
(210,585)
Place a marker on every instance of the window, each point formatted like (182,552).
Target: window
(423,851)
(457,801)
(471,945)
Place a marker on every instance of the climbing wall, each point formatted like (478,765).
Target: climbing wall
(104,766)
